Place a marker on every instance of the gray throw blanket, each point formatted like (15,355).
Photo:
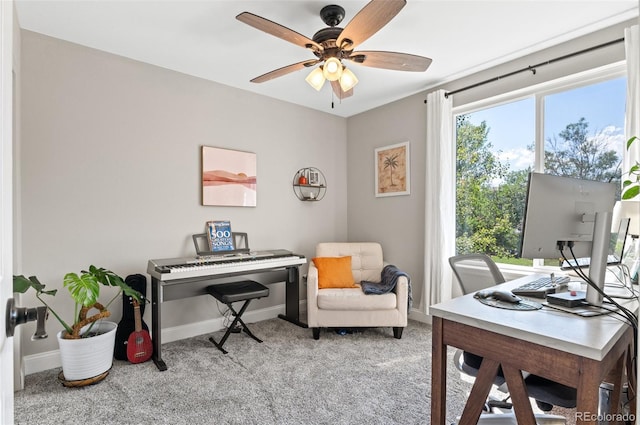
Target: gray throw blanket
(388,279)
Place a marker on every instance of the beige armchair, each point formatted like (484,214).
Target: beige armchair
(350,306)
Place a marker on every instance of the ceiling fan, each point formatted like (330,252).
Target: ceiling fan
(333,44)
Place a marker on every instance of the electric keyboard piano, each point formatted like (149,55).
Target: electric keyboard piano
(177,278)
(211,265)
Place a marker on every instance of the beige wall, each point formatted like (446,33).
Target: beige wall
(397,222)
(110,170)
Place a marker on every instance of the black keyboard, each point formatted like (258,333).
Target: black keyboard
(540,287)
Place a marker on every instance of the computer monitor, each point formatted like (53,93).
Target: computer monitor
(562,211)
(616,249)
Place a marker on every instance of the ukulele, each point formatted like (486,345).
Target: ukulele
(127,324)
(139,348)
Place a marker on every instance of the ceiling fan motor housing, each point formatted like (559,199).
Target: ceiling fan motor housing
(332,15)
(327,34)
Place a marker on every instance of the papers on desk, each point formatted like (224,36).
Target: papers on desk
(584,310)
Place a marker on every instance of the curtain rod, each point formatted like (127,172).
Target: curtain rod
(532,68)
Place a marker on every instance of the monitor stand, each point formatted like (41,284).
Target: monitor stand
(599,253)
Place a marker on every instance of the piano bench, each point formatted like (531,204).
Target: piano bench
(228,293)
(238,291)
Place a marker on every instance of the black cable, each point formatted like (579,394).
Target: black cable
(226,315)
(629,315)
(584,277)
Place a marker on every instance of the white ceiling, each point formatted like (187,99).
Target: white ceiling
(203,38)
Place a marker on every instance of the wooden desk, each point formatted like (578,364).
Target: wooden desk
(572,350)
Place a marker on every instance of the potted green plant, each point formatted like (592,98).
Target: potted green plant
(86,342)
(631,185)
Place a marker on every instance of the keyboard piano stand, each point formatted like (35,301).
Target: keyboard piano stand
(194,286)
(292,320)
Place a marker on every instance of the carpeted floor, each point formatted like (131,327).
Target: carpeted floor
(365,377)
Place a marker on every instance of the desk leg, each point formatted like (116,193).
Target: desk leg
(631,376)
(479,392)
(292,298)
(588,393)
(616,378)
(438,374)
(156,327)
(518,392)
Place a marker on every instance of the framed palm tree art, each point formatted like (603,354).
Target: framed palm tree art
(392,169)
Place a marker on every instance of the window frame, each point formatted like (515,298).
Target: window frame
(539,92)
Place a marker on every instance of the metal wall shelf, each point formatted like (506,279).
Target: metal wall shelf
(309,184)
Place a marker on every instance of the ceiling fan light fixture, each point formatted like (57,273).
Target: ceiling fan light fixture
(348,80)
(332,69)
(316,78)
(332,44)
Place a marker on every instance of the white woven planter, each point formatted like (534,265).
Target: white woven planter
(86,358)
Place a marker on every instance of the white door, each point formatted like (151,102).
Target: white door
(6,229)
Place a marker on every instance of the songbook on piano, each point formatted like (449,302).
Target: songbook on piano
(219,236)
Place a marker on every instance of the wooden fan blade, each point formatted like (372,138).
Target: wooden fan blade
(335,85)
(279,31)
(375,15)
(391,60)
(284,70)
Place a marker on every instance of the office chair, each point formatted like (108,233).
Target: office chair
(478,271)
(473,277)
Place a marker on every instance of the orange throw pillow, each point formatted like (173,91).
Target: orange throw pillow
(334,272)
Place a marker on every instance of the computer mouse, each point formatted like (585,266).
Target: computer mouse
(498,294)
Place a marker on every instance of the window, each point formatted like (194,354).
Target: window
(573,128)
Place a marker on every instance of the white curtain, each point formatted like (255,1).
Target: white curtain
(632,117)
(439,200)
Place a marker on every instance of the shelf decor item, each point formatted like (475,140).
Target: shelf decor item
(314,177)
(392,170)
(309,184)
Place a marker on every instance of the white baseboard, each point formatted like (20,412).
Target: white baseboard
(419,316)
(35,363)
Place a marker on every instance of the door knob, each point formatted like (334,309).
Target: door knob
(19,315)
